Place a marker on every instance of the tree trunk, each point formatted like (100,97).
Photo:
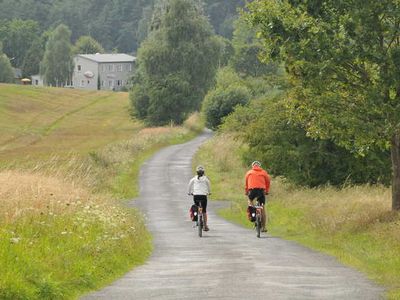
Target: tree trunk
(396,171)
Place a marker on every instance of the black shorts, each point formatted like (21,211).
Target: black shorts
(201,199)
(259,194)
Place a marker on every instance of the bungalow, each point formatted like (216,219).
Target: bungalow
(103,71)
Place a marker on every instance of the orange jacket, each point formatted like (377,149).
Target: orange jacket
(257,178)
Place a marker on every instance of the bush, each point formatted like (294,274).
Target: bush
(220,102)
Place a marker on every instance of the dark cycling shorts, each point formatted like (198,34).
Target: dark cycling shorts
(259,194)
(201,198)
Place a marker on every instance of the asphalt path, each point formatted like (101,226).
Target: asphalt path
(228,262)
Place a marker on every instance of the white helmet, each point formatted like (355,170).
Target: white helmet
(200,168)
(256,163)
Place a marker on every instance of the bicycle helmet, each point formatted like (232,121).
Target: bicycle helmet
(256,163)
(200,170)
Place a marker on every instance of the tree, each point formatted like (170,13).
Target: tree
(176,63)
(288,151)
(247,48)
(33,57)
(222,14)
(87,45)
(343,57)
(17,37)
(57,64)
(6,71)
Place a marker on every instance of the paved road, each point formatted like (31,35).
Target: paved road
(229,262)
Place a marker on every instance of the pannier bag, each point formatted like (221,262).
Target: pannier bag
(251,213)
(193,212)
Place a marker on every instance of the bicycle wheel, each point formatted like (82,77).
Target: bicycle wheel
(200,227)
(258,225)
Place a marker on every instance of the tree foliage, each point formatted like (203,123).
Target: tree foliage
(286,150)
(247,48)
(87,45)
(6,71)
(176,63)
(222,100)
(33,57)
(343,57)
(222,14)
(17,36)
(57,64)
(116,24)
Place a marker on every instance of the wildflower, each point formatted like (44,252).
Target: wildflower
(15,240)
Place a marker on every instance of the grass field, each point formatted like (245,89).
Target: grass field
(38,122)
(354,224)
(67,158)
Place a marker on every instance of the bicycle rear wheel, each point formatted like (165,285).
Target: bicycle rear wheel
(258,225)
(200,226)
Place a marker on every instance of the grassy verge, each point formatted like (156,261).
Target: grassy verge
(58,239)
(63,230)
(354,223)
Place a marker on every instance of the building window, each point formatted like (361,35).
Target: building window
(119,82)
(102,83)
(111,67)
(79,68)
(36,82)
(119,68)
(82,83)
(88,82)
(129,67)
(110,83)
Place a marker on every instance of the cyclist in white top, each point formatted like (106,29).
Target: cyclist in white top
(199,187)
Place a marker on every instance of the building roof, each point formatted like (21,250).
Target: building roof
(109,58)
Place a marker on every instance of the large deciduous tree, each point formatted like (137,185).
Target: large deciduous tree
(57,64)
(17,36)
(176,63)
(344,59)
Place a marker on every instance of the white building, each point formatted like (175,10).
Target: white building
(102,71)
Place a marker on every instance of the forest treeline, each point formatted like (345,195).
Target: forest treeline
(117,25)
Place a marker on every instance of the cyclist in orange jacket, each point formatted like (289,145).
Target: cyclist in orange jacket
(257,186)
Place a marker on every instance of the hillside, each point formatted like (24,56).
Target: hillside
(42,122)
(67,157)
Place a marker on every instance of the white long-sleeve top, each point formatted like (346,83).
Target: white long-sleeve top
(199,186)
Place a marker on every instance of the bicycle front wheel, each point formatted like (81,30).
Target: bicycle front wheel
(200,227)
(258,225)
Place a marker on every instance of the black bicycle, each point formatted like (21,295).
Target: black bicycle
(198,217)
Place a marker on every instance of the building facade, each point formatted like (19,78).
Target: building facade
(103,71)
